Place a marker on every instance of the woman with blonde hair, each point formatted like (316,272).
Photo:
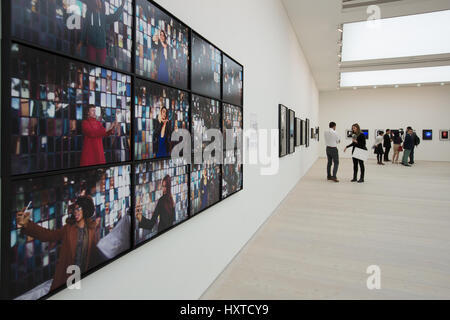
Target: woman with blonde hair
(359,141)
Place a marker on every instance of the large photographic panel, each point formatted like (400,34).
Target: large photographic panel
(205,186)
(205,115)
(232,81)
(206,68)
(66,114)
(98,31)
(232,173)
(159,111)
(283,129)
(162,46)
(291,131)
(232,127)
(161,197)
(78,219)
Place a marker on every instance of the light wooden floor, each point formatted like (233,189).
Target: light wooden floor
(320,241)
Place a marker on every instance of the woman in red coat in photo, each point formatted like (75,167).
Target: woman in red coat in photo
(94,132)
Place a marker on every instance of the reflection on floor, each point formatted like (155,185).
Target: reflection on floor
(321,240)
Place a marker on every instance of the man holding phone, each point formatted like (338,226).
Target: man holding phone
(332,140)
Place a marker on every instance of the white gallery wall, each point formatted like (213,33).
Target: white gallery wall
(182,263)
(426,107)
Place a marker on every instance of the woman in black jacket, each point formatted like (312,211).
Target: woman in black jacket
(359,141)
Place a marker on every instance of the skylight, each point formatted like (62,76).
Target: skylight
(407,36)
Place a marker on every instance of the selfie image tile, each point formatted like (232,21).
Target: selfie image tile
(161,197)
(232,81)
(205,186)
(162,46)
(79,219)
(232,123)
(99,31)
(206,68)
(205,115)
(159,111)
(66,114)
(232,173)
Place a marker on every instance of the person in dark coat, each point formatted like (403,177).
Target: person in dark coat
(162,135)
(359,141)
(408,145)
(387,144)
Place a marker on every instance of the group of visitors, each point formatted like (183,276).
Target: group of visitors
(382,146)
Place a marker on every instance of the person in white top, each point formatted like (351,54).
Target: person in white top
(332,140)
(378,146)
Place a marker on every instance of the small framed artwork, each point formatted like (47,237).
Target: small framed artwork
(444,135)
(282,124)
(349,134)
(291,131)
(298,132)
(366,133)
(307,133)
(302,132)
(318,134)
(428,134)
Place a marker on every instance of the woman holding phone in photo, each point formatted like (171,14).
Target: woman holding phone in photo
(164,211)
(162,56)
(162,135)
(93,131)
(359,141)
(79,238)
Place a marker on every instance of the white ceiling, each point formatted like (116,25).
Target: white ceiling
(316,22)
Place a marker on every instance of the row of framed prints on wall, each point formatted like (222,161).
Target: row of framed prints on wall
(95,90)
(293,132)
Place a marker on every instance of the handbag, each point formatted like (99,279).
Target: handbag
(360,154)
(400,149)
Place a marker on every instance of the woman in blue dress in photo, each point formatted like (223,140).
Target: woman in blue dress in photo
(162,56)
(162,135)
(204,190)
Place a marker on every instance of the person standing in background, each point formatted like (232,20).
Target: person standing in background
(408,145)
(397,140)
(379,147)
(332,139)
(387,144)
(359,141)
(416,141)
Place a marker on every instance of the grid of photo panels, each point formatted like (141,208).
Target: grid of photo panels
(162,46)
(162,197)
(45,217)
(66,114)
(94,90)
(97,31)
(159,111)
(206,68)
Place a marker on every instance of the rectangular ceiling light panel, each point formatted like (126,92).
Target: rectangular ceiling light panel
(396,76)
(407,36)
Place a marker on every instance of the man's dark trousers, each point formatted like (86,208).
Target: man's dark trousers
(386,153)
(333,157)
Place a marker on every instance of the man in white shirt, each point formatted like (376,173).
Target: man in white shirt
(332,140)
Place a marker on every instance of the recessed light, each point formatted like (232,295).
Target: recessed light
(374,87)
(397,86)
(354,88)
(419,85)
(442,84)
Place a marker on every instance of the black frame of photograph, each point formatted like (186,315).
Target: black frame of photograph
(307,132)
(6,177)
(424,134)
(441,132)
(286,118)
(298,132)
(291,126)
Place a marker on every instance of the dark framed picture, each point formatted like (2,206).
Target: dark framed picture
(97,31)
(232,81)
(232,127)
(162,46)
(232,172)
(283,129)
(313,133)
(349,134)
(66,114)
(206,67)
(318,133)
(298,132)
(444,135)
(205,186)
(49,214)
(302,132)
(291,131)
(159,112)
(162,197)
(427,134)
(205,115)
(307,128)
(366,133)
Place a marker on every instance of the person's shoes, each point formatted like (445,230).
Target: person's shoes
(381,163)
(411,163)
(354,180)
(406,165)
(330,178)
(361,181)
(334,179)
